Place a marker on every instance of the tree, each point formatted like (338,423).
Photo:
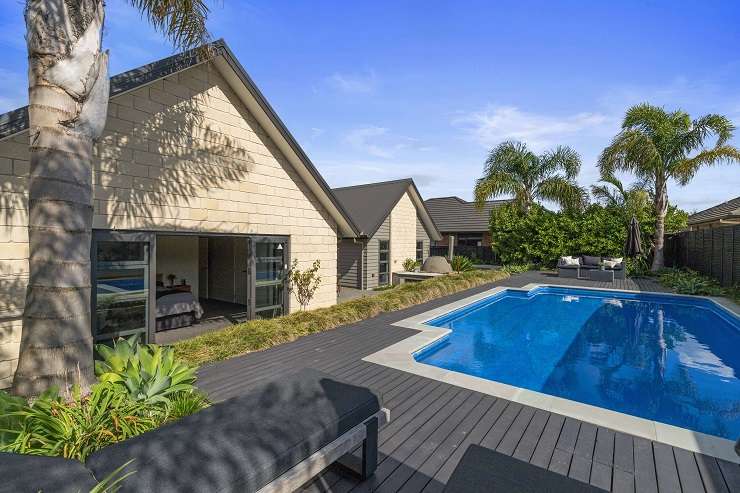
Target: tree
(304,283)
(630,201)
(657,147)
(68,101)
(512,169)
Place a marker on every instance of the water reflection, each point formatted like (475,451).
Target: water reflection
(653,358)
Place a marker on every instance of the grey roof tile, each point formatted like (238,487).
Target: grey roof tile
(453,214)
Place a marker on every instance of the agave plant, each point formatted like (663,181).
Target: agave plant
(149,372)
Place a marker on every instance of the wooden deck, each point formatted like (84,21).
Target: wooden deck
(432,423)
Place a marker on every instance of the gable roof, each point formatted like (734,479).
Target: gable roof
(725,210)
(369,204)
(218,52)
(453,214)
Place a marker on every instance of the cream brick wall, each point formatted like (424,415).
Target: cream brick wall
(180,154)
(403,232)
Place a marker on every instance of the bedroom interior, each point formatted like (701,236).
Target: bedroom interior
(201,282)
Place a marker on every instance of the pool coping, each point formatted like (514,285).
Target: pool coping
(400,357)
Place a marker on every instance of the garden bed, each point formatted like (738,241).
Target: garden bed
(256,335)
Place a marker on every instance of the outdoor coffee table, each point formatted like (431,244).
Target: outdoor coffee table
(601,275)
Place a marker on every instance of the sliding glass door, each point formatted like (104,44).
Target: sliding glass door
(270,267)
(122,284)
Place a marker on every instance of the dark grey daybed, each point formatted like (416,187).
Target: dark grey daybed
(483,470)
(275,438)
(586,263)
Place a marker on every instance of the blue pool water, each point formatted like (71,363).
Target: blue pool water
(665,358)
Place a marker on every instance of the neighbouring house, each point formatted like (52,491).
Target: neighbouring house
(202,197)
(724,214)
(467,224)
(394,225)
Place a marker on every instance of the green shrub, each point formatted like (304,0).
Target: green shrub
(542,236)
(148,372)
(690,282)
(75,429)
(461,263)
(255,335)
(517,268)
(410,264)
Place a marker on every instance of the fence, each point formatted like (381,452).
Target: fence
(482,254)
(713,252)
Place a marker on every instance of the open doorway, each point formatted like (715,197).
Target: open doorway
(202,284)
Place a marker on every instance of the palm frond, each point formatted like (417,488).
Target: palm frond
(562,158)
(494,185)
(704,127)
(563,191)
(644,116)
(631,150)
(182,21)
(684,171)
(606,195)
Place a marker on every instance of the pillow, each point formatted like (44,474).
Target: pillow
(570,261)
(614,259)
(610,264)
(587,260)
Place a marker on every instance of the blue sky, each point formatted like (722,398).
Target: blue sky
(382,90)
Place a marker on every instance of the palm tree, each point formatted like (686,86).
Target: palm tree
(657,146)
(68,102)
(611,192)
(512,169)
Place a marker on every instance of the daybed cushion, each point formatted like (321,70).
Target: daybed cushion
(591,261)
(484,470)
(570,261)
(49,474)
(243,443)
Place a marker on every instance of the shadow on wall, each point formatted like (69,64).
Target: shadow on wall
(152,170)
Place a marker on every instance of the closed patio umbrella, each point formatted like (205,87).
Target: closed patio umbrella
(633,246)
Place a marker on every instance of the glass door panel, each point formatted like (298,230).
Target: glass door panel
(270,269)
(121,288)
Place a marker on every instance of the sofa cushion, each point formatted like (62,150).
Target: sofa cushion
(591,261)
(243,443)
(567,261)
(36,473)
(611,264)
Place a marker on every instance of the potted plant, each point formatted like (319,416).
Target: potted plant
(171,278)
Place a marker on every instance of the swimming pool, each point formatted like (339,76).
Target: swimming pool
(670,359)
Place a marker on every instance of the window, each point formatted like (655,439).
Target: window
(420,251)
(475,239)
(269,277)
(120,294)
(383,256)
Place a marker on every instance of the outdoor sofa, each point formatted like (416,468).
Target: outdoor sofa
(483,470)
(586,263)
(273,438)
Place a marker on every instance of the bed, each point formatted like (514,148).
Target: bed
(176,308)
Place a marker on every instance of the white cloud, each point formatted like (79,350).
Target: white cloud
(495,124)
(361,83)
(366,139)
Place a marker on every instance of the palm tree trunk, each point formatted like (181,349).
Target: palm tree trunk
(661,209)
(68,100)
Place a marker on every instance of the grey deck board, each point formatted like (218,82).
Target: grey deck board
(711,474)
(433,423)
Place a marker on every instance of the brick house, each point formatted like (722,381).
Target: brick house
(201,199)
